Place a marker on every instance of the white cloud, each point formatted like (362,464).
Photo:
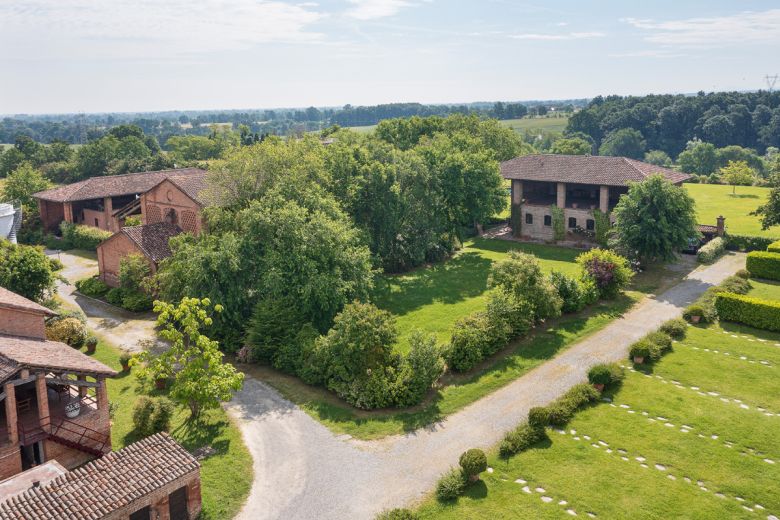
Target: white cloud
(746,27)
(372,9)
(143,28)
(565,36)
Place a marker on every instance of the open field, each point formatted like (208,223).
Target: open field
(716,199)
(696,434)
(549,124)
(226,475)
(767,289)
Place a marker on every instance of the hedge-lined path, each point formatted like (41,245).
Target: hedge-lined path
(127,330)
(302,470)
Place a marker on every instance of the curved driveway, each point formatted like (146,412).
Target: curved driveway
(304,471)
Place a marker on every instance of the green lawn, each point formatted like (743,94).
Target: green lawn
(549,124)
(716,199)
(226,475)
(767,289)
(688,439)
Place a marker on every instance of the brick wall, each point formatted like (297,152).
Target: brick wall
(158,499)
(110,253)
(166,196)
(52,213)
(10,461)
(15,322)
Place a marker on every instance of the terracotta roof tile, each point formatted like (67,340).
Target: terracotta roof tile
(11,300)
(113,185)
(584,169)
(152,239)
(41,353)
(105,485)
(192,185)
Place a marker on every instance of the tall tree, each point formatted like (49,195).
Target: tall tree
(626,142)
(737,173)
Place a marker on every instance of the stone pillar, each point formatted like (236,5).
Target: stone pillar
(721,225)
(604,199)
(102,396)
(517,191)
(10,413)
(43,401)
(561,201)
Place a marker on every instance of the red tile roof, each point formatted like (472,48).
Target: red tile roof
(152,239)
(51,355)
(192,185)
(11,300)
(113,185)
(106,485)
(584,169)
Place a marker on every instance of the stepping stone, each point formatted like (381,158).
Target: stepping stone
(586,437)
(758,506)
(703,488)
(572,512)
(701,436)
(562,503)
(736,400)
(764,362)
(631,411)
(669,425)
(622,451)
(609,450)
(760,409)
(660,467)
(606,399)
(576,438)
(694,388)
(724,399)
(713,394)
(546,499)
(739,499)
(720,495)
(687,480)
(573,432)
(772,517)
(645,414)
(662,418)
(746,508)
(671,477)
(595,445)
(640,459)
(490,470)
(603,443)
(685,430)
(561,432)
(624,458)
(644,465)
(744,407)
(714,436)
(520,481)
(742,358)
(526,489)
(540,490)
(769,461)
(591,515)
(624,406)
(699,483)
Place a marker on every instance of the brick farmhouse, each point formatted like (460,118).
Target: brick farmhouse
(54,423)
(578,184)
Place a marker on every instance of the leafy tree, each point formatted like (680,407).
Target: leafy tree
(737,173)
(25,270)
(187,148)
(571,146)
(654,220)
(734,153)
(21,184)
(626,142)
(658,158)
(133,272)
(770,211)
(698,157)
(521,276)
(10,160)
(199,377)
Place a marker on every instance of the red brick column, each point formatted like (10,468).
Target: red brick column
(10,413)
(43,401)
(161,508)
(193,498)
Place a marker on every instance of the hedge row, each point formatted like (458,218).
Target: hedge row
(705,305)
(75,236)
(711,251)
(764,264)
(756,312)
(774,247)
(748,243)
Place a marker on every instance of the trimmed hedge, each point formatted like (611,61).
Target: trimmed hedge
(748,243)
(521,438)
(75,236)
(774,247)
(755,312)
(763,264)
(676,328)
(711,251)
(605,374)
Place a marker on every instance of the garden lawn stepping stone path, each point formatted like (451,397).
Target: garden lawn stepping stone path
(547,499)
(761,362)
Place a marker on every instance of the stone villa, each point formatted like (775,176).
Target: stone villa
(579,184)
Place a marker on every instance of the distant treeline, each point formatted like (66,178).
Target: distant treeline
(668,122)
(82,128)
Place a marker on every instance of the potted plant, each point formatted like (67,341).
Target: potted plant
(640,351)
(473,462)
(125,360)
(91,344)
(600,376)
(694,313)
(72,409)
(160,383)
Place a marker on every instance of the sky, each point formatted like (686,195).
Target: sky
(62,56)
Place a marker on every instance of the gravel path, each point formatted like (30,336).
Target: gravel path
(124,329)
(302,470)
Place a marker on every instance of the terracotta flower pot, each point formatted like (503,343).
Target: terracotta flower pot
(125,367)
(599,386)
(695,319)
(159,384)
(639,360)
(474,478)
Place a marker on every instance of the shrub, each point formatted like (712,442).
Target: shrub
(468,342)
(473,462)
(163,413)
(605,374)
(398,514)
(763,264)
(743,273)
(521,276)
(570,291)
(735,284)
(93,287)
(538,416)
(91,342)
(640,349)
(68,330)
(26,270)
(133,270)
(451,485)
(562,409)
(75,236)
(521,438)
(422,367)
(609,271)
(774,247)
(693,310)
(661,339)
(137,301)
(711,251)
(510,313)
(115,295)
(755,312)
(152,415)
(748,243)
(274,323)
(124,358)
(676,328)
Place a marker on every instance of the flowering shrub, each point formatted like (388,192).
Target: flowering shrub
(608,270)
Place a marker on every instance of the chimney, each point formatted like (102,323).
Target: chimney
(721,225)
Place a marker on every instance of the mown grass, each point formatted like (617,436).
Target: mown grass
(226,475)
(767,289)
(592,480)
(713,200)
(549,124)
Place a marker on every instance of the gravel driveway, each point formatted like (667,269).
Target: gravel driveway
(304,471)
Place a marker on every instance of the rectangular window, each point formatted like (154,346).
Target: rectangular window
(529,219)
(548,220)
(572,222)
(590,224)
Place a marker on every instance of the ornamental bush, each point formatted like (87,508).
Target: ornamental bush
(763,264)
(514,313)
(711,251)
(755,312)
(137,301)
(26,270)
(521,438)
(67,330)
(693,310)
(605,374)
(774,247)
(152,415)
(640,349)
(562,410)
(473,462)
(420,369)
(748,242)
(133,270)
(570,290)
(93,287)
(521,276)
(115,295)
(473,338)
(676,328)
(659,343)
(398,514)
(609,271)
(451,485)
(538,416)
(75,236)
